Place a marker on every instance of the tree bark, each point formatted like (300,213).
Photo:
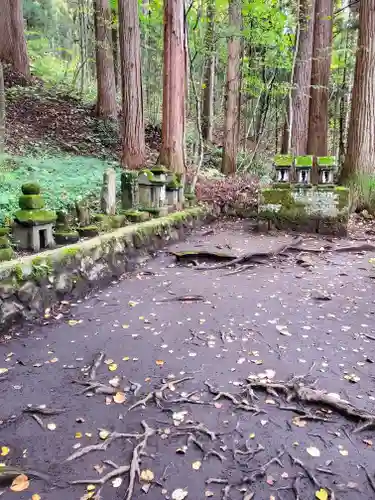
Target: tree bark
(320,73)
(2,109)
(230,147)
(13,48)
(134,153)
(106,107)
(115,50)
(302,78)
(360,156)
(209,76)
(174,87)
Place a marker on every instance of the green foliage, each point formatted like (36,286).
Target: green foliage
(62,179)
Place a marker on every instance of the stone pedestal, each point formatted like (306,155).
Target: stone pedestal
(108,194)
(129,190)
(33,238)
(152,192)
(172,197)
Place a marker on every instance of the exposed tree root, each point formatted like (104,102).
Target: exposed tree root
(309,474)
(249,453)
(157,395)
(240,405)
(38,420)
(136,459)
(112,474)
(42,410)
(302,394)
(262,471)
(184,298)
(369,478)
(201,428)
(243,259)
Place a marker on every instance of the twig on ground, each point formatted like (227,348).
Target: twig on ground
(240,405)
(98,360)
(216,480)
(113,473)
(310,475)
(157,394)
(249,453)
(95,387)
(369,478)
(262,471)
(39,420)
(137,387)
(197,428)
(42,410)
(184,298)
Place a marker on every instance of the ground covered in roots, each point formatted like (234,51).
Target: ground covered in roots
(186,382)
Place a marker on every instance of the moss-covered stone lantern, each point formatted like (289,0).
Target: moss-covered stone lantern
(32,229)
(303,166)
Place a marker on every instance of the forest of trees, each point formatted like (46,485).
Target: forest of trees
(249,77)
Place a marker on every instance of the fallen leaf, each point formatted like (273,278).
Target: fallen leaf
(321,494)
(298,422)
(314,452)
(352,485)
(36,497)
(54,360)
(112,367)
(270,401)
(368,442)
(119,398)
(78,435)
(179,494)
(270,480)
(90,487)
(283,330)
(132,303)
(20,483)
(3,370)
(125,327)
(344,453)
(159,362)
(196,465)
(116,483)
(114,382)
(208,494)
(126,358)
(4,451)
(147,475)
(103,434)
(352,377)
(51,426)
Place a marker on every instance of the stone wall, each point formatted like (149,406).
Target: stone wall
(31,284)
(317,209)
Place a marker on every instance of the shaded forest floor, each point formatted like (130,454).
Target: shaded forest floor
(270,323)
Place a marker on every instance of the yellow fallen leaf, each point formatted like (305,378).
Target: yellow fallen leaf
(196,465)
(78,435)
(53,360)
(321,494)
(298,422)
(73,322)
(344,453)
(141,318)
(91,487)
(147,475)
(3,370)
(88,434)
(119,398)
(112,367)
(36,497)
(51,426)
(126,358)
(4,451)
(252,435)
(159,362)
(103,434)
(132,303)
(125,327)
(148,379)
(20,483)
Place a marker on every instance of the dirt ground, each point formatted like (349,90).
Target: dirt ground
(282,319)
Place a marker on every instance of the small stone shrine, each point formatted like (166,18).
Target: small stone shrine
(152,191)
(33,226)
(304,197)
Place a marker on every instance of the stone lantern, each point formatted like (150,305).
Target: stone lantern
(283,167)
(303,166)
(32,229)
(326,169)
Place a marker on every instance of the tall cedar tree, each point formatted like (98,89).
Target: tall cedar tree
(174,87)
(360,156)
(320,72)
(133,156)
(13,48)
(302,78)
(209,75)
(230,147)
(106,107)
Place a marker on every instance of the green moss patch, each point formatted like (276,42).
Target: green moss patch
(88,231)
(30,188)
(66,237)
(304,161)
(283,160)
(326,161)
(6,254)
(4,242)
(4,231)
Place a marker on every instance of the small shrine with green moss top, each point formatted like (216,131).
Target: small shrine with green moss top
(304,197)
(33,224)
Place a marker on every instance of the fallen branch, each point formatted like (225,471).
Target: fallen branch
(184,298)
(309,474)
(42,410)
(157,395)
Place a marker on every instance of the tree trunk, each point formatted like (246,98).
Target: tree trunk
(230,148)
(133,156)
(209,75)
(115,50)
(302,78)
(2,110)
(360,156)
(12,36)
(174,87)
(106,107)
(318,119)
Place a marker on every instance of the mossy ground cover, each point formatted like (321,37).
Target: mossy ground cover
(63,179)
